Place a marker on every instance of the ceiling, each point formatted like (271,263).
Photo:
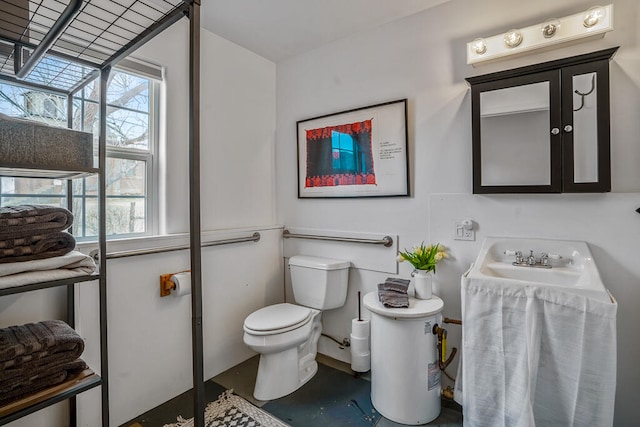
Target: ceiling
(280,29)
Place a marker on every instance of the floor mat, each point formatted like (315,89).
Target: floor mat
(179,405)
(232,410)
(330,398)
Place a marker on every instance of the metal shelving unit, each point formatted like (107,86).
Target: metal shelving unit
(48,284)
(61,46)
(19,171)
(87,379)
(68,390)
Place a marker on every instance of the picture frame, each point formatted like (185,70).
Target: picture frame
(355,153)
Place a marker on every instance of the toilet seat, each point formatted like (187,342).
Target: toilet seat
(277,319)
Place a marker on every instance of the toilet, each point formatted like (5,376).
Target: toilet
(286,335)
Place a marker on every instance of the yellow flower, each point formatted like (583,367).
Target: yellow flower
(424,257)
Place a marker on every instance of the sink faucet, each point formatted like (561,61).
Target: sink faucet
(531,260)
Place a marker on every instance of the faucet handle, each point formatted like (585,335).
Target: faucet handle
(544,258)
(517,254)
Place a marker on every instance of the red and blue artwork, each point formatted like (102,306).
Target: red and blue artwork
(340,155)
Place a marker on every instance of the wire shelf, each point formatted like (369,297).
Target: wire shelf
(96,36)
(59,46)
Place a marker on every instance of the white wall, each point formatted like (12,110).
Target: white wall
(237,132)
(422,58)
(149,336)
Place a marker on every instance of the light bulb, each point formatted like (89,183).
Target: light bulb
(513,38)
(479,46)
(593,16)
(550,28)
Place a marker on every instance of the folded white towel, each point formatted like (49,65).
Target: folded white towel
(73,264)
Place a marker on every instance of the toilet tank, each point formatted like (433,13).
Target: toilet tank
(319,283)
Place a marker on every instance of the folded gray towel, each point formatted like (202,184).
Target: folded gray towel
(393,299)
(393,284)
(27,220)
(25,365)
(24,343)
(393,287)
(40,246)
(39,379)
(397,280)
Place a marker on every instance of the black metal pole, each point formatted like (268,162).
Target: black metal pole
(50,38)
(70,182)
(194,204)
(71,317)
(71,294)
(102,236)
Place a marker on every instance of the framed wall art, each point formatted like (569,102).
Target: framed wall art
(354,153)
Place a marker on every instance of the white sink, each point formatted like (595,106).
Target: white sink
(574,272)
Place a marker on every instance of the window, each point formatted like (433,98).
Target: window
(132,101)
(343,153)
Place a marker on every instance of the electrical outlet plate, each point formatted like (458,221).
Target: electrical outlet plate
(464,231)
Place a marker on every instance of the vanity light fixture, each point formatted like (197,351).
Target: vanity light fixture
(512,38)
(550,28)
(582,26)
(479,46)
(593,16)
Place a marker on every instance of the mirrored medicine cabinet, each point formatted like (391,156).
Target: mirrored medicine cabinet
(543,128)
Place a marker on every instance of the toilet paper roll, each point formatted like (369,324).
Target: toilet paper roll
(182,282)
(361,362)
(360,328)
(359,345)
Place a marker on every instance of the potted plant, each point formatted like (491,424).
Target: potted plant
(423,259)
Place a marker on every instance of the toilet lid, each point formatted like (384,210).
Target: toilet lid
(277,316)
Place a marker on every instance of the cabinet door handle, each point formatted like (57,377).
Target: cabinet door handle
(568,128)
(555,131)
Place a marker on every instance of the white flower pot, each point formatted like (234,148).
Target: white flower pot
(422,283)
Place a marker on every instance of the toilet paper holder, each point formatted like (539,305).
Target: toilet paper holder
(166,285)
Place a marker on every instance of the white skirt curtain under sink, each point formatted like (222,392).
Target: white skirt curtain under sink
(535,356)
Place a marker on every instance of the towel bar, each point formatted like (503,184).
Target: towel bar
(255,237)
(386,241)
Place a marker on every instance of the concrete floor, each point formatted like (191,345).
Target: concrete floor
(241,379)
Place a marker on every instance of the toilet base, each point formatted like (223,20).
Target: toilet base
(280,374)
(287,359)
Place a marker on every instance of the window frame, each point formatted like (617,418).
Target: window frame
(153,74)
